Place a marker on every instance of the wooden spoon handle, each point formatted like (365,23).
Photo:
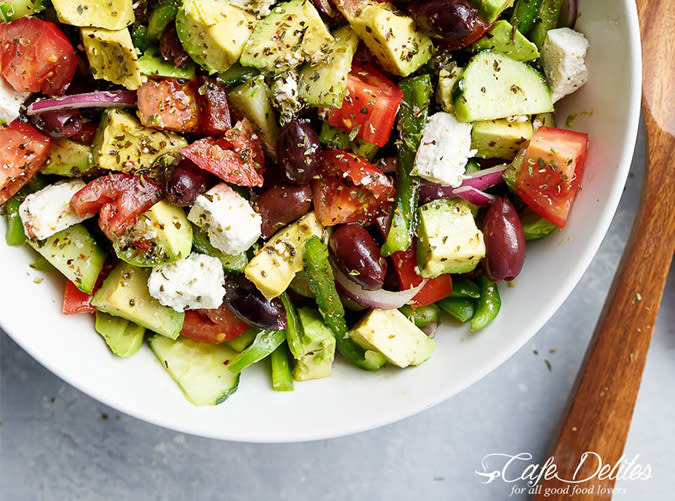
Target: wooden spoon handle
(599,415)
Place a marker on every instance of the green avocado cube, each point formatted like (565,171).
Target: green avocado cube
(106,14)
(112,56)
(319,345)
(449,240)
(500,138)
(506,39)
(490,10)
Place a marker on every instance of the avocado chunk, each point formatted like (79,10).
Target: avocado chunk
(500,138)
(69,159)
(166,231)
(14,9)
(123,144)
(124,338)
(253,99)
(199,369)
(75,253)
(489,10)
(325,83)
(318,342)
(153,64)
(106,14)
(294,32)
(213,32)
(112,56)
(449,241)
(506,39)
(274,267)
(341,140)
(447,78)
(124,293)
(392,38)
(389,332)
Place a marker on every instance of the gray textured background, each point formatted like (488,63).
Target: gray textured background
(58,444)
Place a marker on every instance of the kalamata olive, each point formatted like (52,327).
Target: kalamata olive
(61,123)
(281,205)
(242,297)
(446,19)
(298,151)
(504,241)
(358,256)
(185,182)
(171,49)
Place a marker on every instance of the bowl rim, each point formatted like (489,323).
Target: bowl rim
(608,212)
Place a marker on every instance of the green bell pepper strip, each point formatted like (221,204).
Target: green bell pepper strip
(201,243)
(240,343)
(159,19)
(294,331)
(459,308)
(488,305)
(282,377)
(264,344)
(465,288)
(15,234)
(321,281)
(524,14)
(536,227)
(423,316)
(549,12)
(411,121)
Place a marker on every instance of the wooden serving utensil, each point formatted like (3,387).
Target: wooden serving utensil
(600,412)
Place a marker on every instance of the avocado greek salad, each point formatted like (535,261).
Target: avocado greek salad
(235,180)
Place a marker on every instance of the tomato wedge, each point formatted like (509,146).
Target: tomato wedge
(212,326)
(236,158)
(119,199)
(76,301)
(405,264)
(23,152)
(168,104)
(214,119)
(551,170)
(351,190)
(370,106)
(35,56)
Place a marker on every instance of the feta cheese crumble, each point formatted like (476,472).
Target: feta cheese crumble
(190,284)
(444,151)
(562,57)
(285,96)
(228,219)
(46,212)
(10,102)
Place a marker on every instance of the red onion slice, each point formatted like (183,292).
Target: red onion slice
(430,329)
(431,191)
(474,196)
(99,99)
(569,13)
(485,178)
(381,299)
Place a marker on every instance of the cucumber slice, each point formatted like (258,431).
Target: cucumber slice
(75,253)
(495,86)
(14,9)
(199,369)
(124,338)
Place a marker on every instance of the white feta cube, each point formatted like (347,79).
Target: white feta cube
(228,219)
(285,96)
(10,102)
(562,57)
(193,283)
(444,151)
(46,212)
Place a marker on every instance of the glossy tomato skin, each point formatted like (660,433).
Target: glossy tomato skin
(212,326)
(214,119)
(76,301)
(551,170)
(236,157)
(23,152)
(36,56)
(119,199)
(435,289)
(350,190)
(168,104)
(371,105)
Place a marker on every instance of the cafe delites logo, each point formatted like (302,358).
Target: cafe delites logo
(524,476)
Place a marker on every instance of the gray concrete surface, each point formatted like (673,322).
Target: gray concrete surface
(58,444)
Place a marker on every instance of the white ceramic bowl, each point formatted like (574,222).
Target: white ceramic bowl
(353,400)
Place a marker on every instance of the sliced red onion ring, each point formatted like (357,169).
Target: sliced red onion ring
(381,299)
(485,178)
(474,196)
(430,329)
(569,13)
(98,99)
